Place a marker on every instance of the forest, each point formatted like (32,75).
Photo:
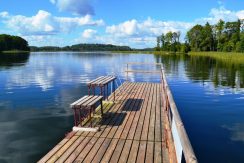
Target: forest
(221,37)
(13,43)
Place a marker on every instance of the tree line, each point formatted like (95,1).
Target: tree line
(83,47)
(8,42)
(222,37)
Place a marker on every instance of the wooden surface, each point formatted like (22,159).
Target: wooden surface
(133,131)
(102,80)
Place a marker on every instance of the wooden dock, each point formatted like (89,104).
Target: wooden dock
(133,131)
(142,125)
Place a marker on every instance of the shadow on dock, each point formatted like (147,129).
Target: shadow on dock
(116,119)
(132,105)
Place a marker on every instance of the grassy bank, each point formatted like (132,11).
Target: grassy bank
(165,53)
(14,51)
(230,57)
(134,52)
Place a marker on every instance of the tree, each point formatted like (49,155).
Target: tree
(195,37)
(8,42)
(162,41)
(158,44)
(219,29)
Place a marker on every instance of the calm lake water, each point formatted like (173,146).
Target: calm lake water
(36,90)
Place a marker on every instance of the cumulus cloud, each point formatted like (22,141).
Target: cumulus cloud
(143,33)
(88,33)
(44,23)
(148,27)
(80,7)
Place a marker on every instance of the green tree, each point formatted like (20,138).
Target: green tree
(162,41)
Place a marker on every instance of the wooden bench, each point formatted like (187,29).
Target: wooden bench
(102,82)
(83,108)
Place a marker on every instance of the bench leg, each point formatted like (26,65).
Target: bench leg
(75,117)
(89,90)
(101,91)
(114,89)
(101,108)
(107,91)
(90,112)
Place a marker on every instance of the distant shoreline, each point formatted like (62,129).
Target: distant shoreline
(14,51)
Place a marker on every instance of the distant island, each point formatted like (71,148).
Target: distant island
(88,47)
(83,47)
(10,43)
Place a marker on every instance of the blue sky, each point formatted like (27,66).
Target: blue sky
(128,22)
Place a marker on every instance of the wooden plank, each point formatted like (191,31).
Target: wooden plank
(94,150)
(141,112)
(125,153)
(103,80)
(114,142)
(117,151)
(158,127)
(98,98)
(108,79)
(151,133)
(141,152)
(109,151)
(134,106)
(105,146)
(101,151)
(96,80)
(77,150)
(88,101)
(53,151)
(128,108)
(149,153)
(62,150)
(142,117)
(166,141)
(79,100)
(145,129)
(69,151)
(100,77)
(86,150)
(133,152)
(157,152)
(118,120)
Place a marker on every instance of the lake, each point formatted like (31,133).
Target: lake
(37,88)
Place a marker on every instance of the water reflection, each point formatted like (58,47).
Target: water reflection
(35,98)
(204,69)
(9,60)
(209,95)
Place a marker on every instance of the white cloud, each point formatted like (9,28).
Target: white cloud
(80,7)
(88,33)
(143,33)
(240,14)
(53,1)
(221,13)
(43,23)
(148,27)
(4,14)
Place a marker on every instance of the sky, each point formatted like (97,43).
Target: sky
(134,23)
